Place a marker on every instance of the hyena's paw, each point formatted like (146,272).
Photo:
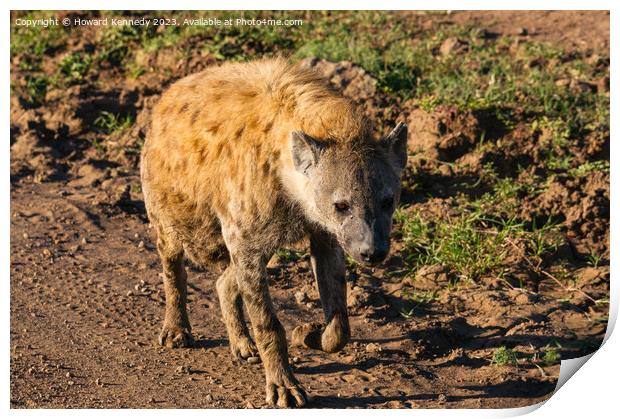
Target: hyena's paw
(176,337)
(286,392)
(330,338)
(243,348)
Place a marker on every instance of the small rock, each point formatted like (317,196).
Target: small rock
(301,297)
(582,86)
(395,404)
(521,31)
(296,359)
(452,45)
(442,398)
(182,369)
(71,383)
(68,375)
(99,382)
(25,235)
(373,347)
(602,85)
(141,244)
(253,360)
(209,398)
(249,405)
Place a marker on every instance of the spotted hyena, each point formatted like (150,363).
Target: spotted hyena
(245,158)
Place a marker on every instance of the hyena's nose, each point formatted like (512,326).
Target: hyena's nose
(374,255)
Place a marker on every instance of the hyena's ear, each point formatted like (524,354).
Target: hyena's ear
(396,145)
(305,151)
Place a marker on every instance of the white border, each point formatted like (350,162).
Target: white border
(592,392)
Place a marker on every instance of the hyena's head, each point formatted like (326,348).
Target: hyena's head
(353,188)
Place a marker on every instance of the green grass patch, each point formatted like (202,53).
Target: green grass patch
(551,356)
(288,255)
(504,356)
(469,245)
(112,123)
(32,89)
(74,67)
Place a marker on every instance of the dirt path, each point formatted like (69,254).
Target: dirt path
(87,307)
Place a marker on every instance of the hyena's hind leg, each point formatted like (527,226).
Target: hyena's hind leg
(176,331)
(241,343)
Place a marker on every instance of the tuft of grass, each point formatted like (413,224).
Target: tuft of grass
(135,70)
(504,356)
(469,245)
(589,167)
(34,89)
(111,123)
(418,298)
(288,255)
(551,356)
(115,44)
(350,263)
(75,66)
(594,259)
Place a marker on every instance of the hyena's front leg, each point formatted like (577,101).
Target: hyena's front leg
(241,344)
(282,387)
(328,265)
(176,332)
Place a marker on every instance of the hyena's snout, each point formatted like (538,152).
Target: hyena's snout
(371,246)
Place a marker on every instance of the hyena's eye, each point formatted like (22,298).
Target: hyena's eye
(342,207)
(387,203)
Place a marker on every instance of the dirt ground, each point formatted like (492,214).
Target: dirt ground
(87,301)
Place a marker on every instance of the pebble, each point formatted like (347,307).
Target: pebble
(253,360)
(521,31)
(301,297)
(99,382)
(209,398)
(141,244)
(373,347)
(181,369)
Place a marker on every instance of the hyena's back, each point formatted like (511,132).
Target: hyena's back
(218,143)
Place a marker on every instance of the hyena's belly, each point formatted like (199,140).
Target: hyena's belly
(205,245)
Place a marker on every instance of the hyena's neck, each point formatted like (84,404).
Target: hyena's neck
(298,190)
